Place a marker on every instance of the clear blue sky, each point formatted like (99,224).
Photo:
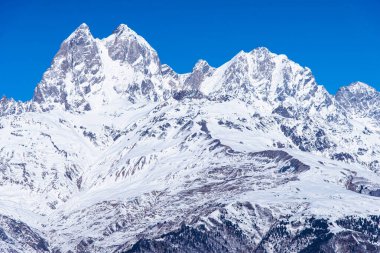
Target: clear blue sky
(338,40)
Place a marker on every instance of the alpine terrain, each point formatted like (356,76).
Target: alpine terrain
(116,152)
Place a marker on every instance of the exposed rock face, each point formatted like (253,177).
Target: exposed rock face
(117,152)
(76,68)
(274,79)
(8,106)
(87,72)
(200,72)
(363,186)
(126,46)
(359,99)
(16,236)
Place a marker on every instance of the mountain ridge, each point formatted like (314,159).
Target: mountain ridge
(83,31)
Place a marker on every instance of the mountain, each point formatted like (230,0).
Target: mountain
(117,152)
(88,72)
(360,99)
(12,107)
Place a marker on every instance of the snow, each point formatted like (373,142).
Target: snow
(137,160)
(360,87)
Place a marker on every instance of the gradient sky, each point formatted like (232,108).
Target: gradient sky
(338,40)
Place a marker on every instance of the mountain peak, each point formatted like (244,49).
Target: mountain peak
(122,28)
(3,99)
(360,87)
(201,64)
(360,99)
(126,45)
(75,68)
(81,35)
(260,53)
(81,31)
(83,26)
(261,49)
(124,31)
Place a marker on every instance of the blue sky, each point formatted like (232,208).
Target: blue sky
(338,40)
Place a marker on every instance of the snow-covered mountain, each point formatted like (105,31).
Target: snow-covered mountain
(360,99)
(117,152)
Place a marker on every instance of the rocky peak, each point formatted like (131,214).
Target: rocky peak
(262,53)
(360,99)
(201,70)
(138,66)
(88,73)
(81,33)
(74,70)
(124,29)
(261,75)
(9,106)
(202,66)
(127,46)
(3,99)
(358,88)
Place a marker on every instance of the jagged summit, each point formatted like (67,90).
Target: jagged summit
(88,73)
(360,100)
(262,50)
(124,29)
(201,64)
(259,52)
(83,26)
(82,31)
(85,73)
(75,69)
(359,87)
(261,75)
(3,99)
(126,44)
